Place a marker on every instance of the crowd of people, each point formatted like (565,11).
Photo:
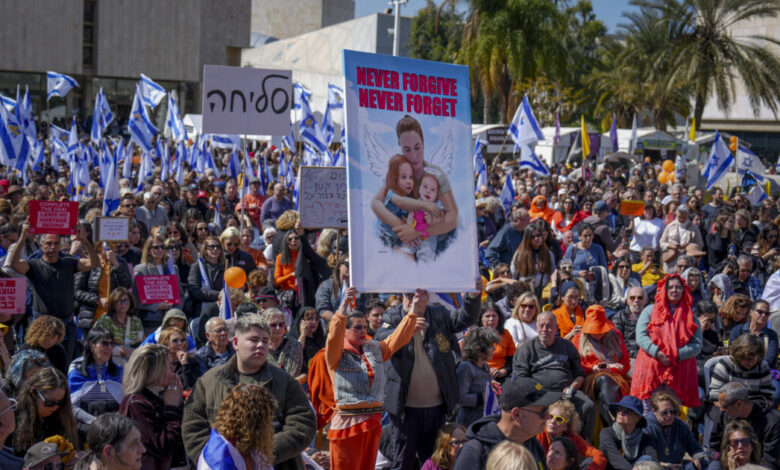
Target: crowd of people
(593,339)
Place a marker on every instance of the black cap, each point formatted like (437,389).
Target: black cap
(191,187)
(518,392)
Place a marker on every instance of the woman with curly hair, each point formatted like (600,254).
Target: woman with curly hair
(563,421)
(123,323)
(243,433)
(43,410)
(45,334)
(451,438)
(474,373)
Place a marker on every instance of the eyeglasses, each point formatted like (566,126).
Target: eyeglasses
(527,306)
(11,406)
(292,239)
(765,313)
(219,331)
(635,297)
(623,266)
(744,442)
(277,325)
(559,419)
(157,247)
(123,301)
(536,235)
(502,273)
(54,466)
(202,229)
(624,410)
(671,412)
(50,403)
(104,343)
(457,442)
(213,247)
(345,263)
(128,205)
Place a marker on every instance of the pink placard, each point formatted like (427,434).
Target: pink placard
(58,217)
(154,289)
(12,295)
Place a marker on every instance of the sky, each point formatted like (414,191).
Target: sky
(608,11)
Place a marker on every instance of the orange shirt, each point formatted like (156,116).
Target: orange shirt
(504,348)
(284,274)
(564,320)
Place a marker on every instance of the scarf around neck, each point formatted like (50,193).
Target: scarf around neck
(629,443)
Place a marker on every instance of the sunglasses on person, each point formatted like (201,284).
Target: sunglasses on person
(527,306)
(559,419)
(623,266)
(765,313)
(173,247)
(104,343)
(671,412)
(744,442)
(213,247)
(157,247)
(457,442)
(229,244)
(50,403)
(123,301)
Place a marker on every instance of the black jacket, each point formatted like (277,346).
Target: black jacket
(482,436)
(625,322)
(241,259)
(86,289)
(441,344)
(310,270)
(198,293)
(766,424)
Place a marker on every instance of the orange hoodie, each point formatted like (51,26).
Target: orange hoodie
(541,210)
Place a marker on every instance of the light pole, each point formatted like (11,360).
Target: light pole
(397,24)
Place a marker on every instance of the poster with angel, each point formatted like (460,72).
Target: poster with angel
(410,176)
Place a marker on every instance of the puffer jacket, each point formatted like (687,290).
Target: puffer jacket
(86,289)
(294,421)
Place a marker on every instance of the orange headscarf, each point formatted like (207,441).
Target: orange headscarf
(540,209)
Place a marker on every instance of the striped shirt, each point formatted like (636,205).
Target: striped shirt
(757,380)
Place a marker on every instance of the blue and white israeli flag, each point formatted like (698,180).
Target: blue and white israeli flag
(524,129)
(101,118)
(139,125)
(58,84)
(507,195)
(174,126)
(151,92)
(719,161)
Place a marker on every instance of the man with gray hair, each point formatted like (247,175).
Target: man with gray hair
(217,349)
(294,421)
(744,282)
(734,403)
(151,213)
(555,363)
(626,319)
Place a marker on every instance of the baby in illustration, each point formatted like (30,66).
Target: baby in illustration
(401,199)
(420,220)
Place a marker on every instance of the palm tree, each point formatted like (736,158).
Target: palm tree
(706,54)
(631,79)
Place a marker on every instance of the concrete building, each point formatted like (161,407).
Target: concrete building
(315,58)
(110,43)
(284,20)
(762,130)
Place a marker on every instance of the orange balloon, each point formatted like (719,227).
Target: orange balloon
(663,178)
(668,166)
(671,177)
(647,160)
(235,277)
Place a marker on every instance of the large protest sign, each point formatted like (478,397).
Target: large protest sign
(410,174)
(53,217)
(154,289)
(323,197)
(12,295)
(241,100)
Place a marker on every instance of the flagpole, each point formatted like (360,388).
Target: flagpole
(243,199)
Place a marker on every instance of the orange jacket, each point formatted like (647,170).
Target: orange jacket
(564,320)
(284,274)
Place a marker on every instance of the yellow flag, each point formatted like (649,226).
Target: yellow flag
(585,139)
(692,133)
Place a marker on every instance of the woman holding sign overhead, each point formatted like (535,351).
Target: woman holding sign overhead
(154,262)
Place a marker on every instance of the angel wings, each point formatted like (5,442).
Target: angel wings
(377,151)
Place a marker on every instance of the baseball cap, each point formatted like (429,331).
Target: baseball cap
(518,392)
(40,452)
(191,187)
(600,206)
(203,194)
(255,181)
